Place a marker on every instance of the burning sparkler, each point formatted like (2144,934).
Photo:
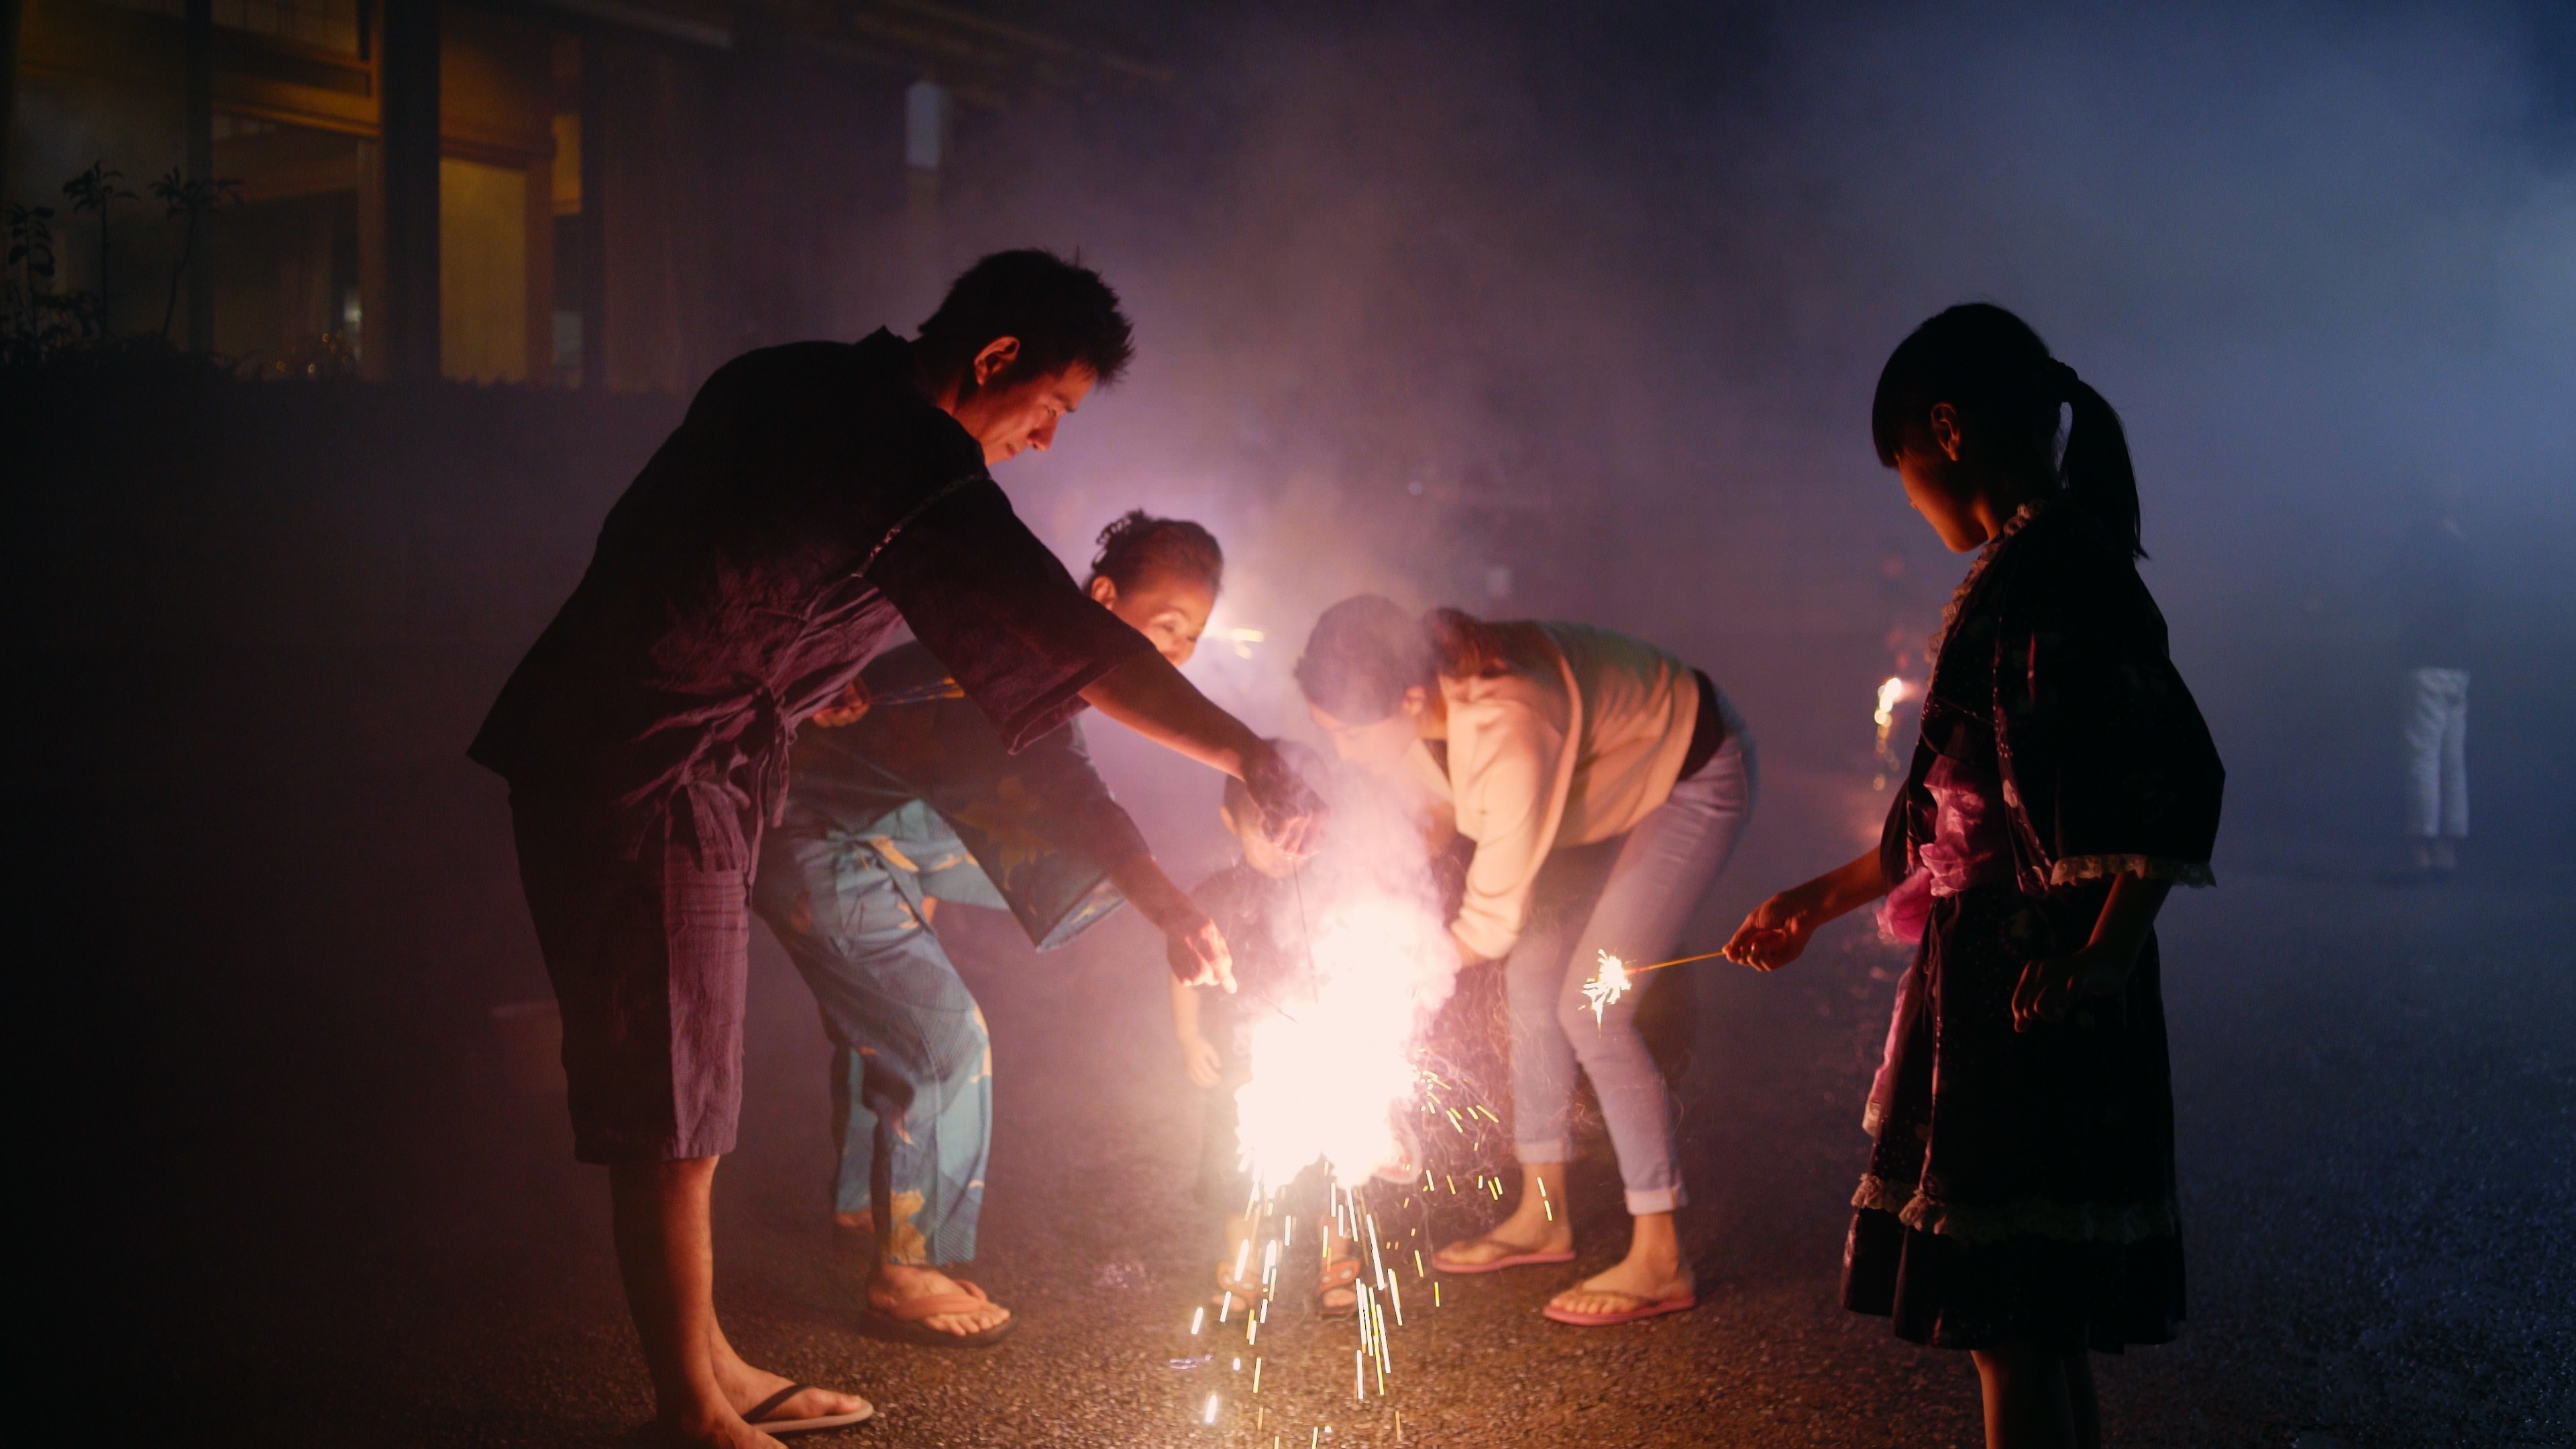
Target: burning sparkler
(1605,989)
(1892,692)
(1616,977)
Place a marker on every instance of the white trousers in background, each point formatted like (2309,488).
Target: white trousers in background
(2437,753)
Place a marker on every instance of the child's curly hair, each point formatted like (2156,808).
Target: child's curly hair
(1137,546)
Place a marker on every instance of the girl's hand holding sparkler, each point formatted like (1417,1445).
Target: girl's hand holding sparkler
(1779,929)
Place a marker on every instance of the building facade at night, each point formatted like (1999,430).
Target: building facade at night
(616,193)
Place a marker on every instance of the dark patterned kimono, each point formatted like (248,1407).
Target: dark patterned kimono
(2022,1184)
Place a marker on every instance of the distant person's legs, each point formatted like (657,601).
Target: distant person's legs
(2455,773)
(907,1035)
(648,958)
(2437,782)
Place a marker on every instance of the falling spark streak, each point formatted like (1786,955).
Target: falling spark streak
(1417,1264)
(1210,1416)
(1198,1320)
(1256,1379)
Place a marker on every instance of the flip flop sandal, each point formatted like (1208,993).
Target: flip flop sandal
(1518,1257)
(758,1414)
(1343,1274)
(1645,1308)
(903,1322)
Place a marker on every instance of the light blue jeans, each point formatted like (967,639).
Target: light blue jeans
(912,1065)
(1662,870)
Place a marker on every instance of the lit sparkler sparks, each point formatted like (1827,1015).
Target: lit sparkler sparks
(1617,977)
(1605,989)
(1892,692)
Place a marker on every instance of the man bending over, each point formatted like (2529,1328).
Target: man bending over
(814,495)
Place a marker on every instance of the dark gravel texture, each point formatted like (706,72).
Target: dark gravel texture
(331,1212)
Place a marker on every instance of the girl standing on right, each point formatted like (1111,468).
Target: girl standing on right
(2020,1198)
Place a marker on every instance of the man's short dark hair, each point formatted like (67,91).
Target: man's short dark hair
(1060,310)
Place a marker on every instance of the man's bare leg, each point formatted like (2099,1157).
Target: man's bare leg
(666,1254)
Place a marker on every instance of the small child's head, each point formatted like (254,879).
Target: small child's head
(1242,818)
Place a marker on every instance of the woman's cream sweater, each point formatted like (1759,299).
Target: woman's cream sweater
(1577,736)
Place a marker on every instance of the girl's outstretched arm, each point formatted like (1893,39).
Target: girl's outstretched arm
(1778,930)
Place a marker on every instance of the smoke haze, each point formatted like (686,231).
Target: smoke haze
(1577,311)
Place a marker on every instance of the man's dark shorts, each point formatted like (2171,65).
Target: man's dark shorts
(649,956)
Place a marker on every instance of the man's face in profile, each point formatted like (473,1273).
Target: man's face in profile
(1011,414)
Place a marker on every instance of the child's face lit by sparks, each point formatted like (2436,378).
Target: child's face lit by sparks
(1379,745)
(1940,484)
(1169,609)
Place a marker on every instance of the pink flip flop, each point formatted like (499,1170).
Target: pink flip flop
(1508,1260)
(1644,1309)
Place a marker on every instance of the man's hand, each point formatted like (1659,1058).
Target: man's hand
(1292,814)
(1199,1059)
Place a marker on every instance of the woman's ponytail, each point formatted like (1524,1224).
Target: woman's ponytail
(2099,477)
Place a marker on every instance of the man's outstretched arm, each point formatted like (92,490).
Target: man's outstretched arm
(1149,696)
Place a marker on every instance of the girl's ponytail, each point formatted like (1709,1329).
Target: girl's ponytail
(1990,366)
(2099,477)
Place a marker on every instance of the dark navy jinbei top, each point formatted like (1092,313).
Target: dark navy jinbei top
(810,498)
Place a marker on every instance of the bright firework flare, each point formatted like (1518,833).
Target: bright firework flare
(1327,1082)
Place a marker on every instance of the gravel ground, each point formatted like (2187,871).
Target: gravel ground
(347,1221)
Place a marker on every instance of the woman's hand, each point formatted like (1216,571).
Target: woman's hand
(2049,989)
(1779,929)
(1199,1059)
